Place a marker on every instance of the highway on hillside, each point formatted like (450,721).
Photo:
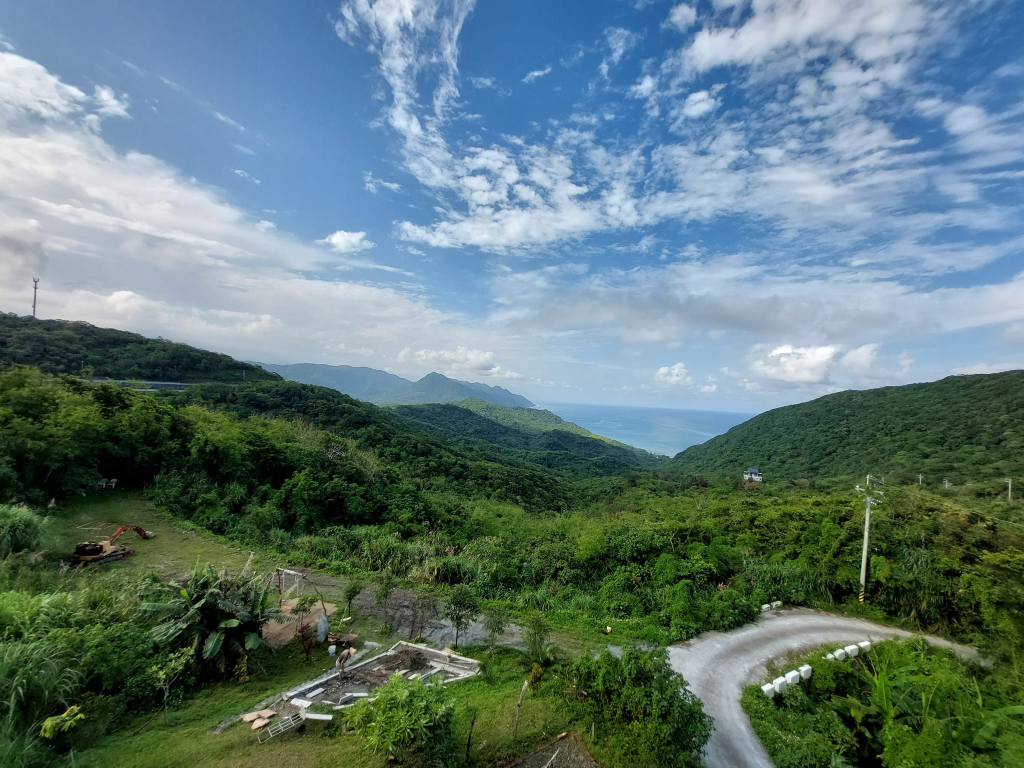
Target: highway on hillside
(717,665)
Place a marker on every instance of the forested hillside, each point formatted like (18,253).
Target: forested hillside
(411,454)
(962,428)
(61,346)
(531,435)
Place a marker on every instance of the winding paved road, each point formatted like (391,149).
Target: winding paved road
(718,664)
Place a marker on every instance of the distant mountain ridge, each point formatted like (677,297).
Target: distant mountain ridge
(385,388)
(961,428)
(355,381)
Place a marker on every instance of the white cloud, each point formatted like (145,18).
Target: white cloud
(874,30)
(27,88)
(536,74)
(341,241)
(108,103)
(989,367)
(225,119)
(483,82)
(244,149)
(681,17)
(697,104)
(674,376)
(264,225)
(806,365)
(244,175)
(373,185)
(620,41)
(461,361)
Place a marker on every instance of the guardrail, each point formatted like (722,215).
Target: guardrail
(804,671)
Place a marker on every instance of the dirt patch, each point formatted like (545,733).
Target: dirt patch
(407,659)
(564,752)
(280,631)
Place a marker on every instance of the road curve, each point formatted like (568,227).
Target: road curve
(718,664)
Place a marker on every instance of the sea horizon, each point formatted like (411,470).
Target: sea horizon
(665,431)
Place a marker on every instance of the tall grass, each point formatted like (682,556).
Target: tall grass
(20,529)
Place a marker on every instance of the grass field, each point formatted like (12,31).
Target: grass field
(188,740)
(176,548)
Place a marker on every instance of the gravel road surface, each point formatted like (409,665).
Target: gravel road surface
(718,664)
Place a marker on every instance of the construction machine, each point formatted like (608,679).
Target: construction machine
(107,551)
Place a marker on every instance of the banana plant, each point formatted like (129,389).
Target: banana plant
(217,614)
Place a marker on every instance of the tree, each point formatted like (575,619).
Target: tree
(538,650)
(461,608)
(407,719)
(385,587)
(657,719)
(352,590)
(496,620)
(303,605)
(219,616)
(424,608)
(166,674)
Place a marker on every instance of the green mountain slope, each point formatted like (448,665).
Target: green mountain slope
(61,346)
(359,382)
(436,388)
(963,428)
(568,449)
(537,419)
(434,461)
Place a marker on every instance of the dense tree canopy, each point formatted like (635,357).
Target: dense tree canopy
(963,428)
(59,346)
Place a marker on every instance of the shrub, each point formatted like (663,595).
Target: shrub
(408,721)
(20,529)
(648,711)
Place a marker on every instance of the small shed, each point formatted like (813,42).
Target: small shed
(753,475)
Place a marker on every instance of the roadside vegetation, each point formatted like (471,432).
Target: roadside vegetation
(905,703)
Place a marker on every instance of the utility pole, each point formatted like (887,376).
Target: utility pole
(35,291)
(920,479)
(946,483)
(1009,489)
(869,501)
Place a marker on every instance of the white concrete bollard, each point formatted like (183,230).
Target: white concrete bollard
(765,608)
(777,604)
(779,684)
(851,650)
(864,645)
(830,656)
(792,678)
(839,654)
(805,671)
(768,689)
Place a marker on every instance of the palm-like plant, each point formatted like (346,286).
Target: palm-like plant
(219,615)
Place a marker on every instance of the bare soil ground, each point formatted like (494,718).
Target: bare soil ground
(567,752)
(280,631)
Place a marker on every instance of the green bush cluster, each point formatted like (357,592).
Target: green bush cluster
(646,709)
(903,705)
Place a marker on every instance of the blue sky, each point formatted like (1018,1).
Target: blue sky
(723,205)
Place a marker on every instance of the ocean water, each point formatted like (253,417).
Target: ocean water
(660,430)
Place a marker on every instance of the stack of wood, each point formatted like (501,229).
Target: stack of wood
(258,719)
